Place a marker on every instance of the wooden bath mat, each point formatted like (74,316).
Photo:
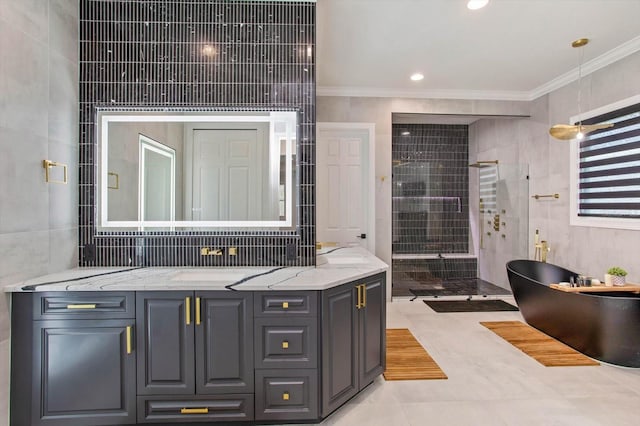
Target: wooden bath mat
(544,349)
(407,359)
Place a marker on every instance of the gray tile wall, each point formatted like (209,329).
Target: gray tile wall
(38,120)
(145,54)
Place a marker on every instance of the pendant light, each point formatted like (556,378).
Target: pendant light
(577,131)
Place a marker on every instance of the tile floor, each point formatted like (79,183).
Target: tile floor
(490,382)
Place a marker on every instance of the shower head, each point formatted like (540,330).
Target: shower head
(487,163)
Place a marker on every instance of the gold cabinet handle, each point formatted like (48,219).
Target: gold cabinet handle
(198,311)
(285,344)
(129,343)
(359,303)
(87,306)
(187,310)
(285,396)
(204,410)
(364,295)
(285,305)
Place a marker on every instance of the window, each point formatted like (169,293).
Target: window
(605,167)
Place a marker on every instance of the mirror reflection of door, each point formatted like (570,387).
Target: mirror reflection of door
(157,181)
(227,174)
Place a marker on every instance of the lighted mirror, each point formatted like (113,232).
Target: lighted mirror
(172,170)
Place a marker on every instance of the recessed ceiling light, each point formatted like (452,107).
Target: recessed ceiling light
(417,77)
(477,4)
(406,133)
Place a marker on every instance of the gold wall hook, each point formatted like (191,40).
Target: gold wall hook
(48,164)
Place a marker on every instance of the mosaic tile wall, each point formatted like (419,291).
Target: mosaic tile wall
(205,55)
(430,189)
(433,270)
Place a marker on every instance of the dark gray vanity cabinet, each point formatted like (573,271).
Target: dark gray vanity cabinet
(80,364)
(353,339)
(177,357)
(165,338)
(195,361)
(286,355)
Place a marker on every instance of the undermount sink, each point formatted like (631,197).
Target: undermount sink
(209,276)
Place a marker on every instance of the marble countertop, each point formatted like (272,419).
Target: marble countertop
(335,266)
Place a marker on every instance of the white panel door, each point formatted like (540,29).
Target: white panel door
(227,167)
(341,187)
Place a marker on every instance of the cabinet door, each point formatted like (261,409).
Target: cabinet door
(339,347)
(83,373)
(165,340)
(372,344)
(224,342)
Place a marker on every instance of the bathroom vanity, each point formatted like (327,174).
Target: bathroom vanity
(178,345)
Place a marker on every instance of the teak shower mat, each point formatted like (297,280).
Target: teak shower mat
(470,305)
(407,359)
(544,349)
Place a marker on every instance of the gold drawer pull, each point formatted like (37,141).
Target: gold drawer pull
(194,410)
(187,310)
(87,306)
(285,345)
(285,396)
(285,305)
(129,343)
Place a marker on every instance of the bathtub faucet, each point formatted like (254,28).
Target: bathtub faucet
(541,250)
(545,249)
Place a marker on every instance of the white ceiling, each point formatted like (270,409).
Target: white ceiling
(511,49)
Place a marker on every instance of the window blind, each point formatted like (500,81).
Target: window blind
(609,166)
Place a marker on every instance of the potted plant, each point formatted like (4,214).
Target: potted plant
(617,275)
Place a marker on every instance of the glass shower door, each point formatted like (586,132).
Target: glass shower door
(504,218)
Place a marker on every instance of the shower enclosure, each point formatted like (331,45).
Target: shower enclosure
(443,242)
(500,215)
(430,207)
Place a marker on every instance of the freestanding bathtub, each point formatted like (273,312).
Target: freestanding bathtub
(604,326)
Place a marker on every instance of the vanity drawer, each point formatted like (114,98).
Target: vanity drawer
(274,303)
(286,394)
(286,342)
(83,305)
(195,408)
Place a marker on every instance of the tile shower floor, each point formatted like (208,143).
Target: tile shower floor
(490,382)
(407,287)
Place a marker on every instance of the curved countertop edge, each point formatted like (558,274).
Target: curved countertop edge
(336,266)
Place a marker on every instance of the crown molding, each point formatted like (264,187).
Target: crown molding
(628,48)
(377,92)
(625,49)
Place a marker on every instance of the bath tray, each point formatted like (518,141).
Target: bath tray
(629,288)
